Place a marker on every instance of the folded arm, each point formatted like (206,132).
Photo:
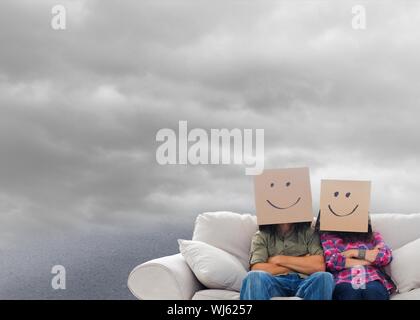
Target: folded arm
(351,262)
(336,260)
(270,267)
(379,256)
(307,264)
(383,256)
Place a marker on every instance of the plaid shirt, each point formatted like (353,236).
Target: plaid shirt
(335,262)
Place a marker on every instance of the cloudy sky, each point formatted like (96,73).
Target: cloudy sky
(80,108)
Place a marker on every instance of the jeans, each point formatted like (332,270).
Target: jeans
(261,285)
(374,290)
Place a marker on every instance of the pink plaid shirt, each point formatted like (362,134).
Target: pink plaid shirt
(335,261)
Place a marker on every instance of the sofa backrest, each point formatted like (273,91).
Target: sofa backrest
(397,229)
(233,232)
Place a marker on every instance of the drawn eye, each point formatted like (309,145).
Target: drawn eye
(336,194)
(348,194)
(272,184)
(288,183)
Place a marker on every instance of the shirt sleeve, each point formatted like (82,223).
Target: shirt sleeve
(259,249)
(334,260)
(314,243)
(384,256)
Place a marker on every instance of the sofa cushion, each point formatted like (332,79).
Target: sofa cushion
(213,267)
(216,294)
(410,295)
(231,232)
(404,268)
(397,229)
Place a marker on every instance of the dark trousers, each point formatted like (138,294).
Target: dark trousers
(374,290)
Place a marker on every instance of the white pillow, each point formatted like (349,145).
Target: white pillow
(404,268)
(213,267)
(229,231)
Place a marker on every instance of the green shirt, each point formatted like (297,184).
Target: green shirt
(296,243)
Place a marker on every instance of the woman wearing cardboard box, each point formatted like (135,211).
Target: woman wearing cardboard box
(353,253)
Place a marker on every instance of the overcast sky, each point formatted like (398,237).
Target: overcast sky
(80,108)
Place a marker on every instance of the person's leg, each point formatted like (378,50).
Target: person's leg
(288,283)
(345,291)
(261,285)
(375,290)
(317,286)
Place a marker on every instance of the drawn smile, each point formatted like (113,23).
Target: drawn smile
(342,215)
(282,208)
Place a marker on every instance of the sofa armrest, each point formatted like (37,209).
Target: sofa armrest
(166,278)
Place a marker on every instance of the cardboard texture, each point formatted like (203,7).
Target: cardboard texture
(283,196)
(344,205)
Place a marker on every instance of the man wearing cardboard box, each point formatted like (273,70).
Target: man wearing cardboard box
(286,256)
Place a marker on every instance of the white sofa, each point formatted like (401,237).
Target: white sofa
(171,278)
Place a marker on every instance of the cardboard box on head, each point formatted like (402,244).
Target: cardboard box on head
(283,196)
(344,205)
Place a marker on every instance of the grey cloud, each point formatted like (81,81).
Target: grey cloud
(80,108)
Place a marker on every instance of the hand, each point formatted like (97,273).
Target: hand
(352,262)
(372,254)
(352,253)
(276,260)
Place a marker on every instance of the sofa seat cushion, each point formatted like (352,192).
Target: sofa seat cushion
(410,295)
(216,294)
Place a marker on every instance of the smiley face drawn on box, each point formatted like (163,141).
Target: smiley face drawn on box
(283,196)
(344,205)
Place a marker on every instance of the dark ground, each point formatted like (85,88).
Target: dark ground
(97,263)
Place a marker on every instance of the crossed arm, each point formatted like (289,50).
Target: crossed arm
(370,257)
(310,264)
(284,264)
(336,260)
